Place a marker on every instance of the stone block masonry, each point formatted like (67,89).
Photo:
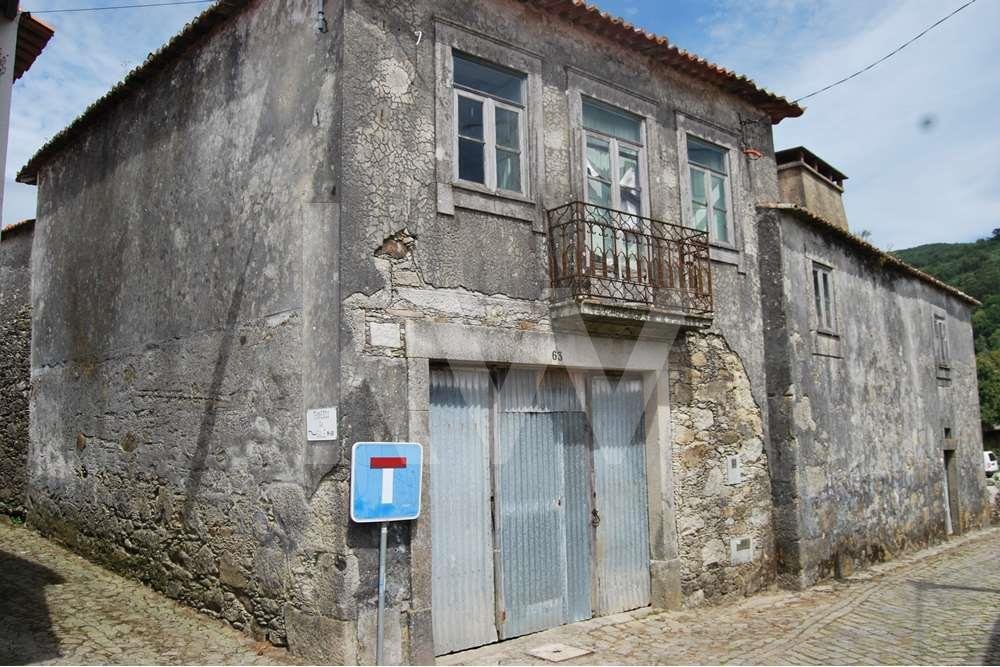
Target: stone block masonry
(722,486)
(15,363)
(15,385)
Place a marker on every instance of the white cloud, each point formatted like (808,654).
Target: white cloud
(89,53)
(908,185)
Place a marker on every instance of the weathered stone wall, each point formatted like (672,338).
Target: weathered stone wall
(715,417)
(482,265)
(858,418)
(184,272)
(257,261)
(15,364)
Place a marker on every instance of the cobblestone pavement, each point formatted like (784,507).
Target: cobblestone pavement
(939,606)
(57,608)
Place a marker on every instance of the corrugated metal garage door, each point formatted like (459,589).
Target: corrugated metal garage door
(461,522)
(542,498)
(620,494)
(551,477)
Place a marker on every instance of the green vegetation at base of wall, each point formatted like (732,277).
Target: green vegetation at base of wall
(973,268)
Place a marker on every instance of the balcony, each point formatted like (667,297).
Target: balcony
(621,274)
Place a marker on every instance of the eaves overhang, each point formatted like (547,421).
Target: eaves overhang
(832,230)
(576,12)
(32,36)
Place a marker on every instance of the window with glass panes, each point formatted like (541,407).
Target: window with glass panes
(710,208)
(823,296)
(614,155)
(489,115)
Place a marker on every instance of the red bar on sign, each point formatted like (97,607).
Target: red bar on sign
(383,462)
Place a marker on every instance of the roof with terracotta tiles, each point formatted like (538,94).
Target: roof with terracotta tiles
(21,225)
(32,36)
(590,17)
(576,12)
(859,243)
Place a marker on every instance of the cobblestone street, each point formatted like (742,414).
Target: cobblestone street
(940,606)
(57,608)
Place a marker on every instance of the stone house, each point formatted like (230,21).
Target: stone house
(550,247)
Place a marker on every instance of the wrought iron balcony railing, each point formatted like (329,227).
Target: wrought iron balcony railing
(597,252)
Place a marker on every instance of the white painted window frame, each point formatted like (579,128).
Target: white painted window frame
(727,190)
(739,213)
(583,85)
(707,173)
(490,105)
(614,144)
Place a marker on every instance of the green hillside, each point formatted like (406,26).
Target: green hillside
(973,268)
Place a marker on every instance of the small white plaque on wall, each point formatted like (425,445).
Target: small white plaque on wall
(321,424)
(741,549)
(734,470)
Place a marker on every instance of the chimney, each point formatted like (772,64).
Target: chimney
(808,181)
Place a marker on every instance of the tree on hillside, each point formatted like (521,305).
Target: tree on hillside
(988,368)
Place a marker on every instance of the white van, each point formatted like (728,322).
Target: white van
(990,460)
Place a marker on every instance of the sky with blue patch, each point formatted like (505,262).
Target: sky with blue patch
(917,136)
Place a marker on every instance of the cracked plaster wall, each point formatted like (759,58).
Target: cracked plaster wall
(403,259)
(182,290)
(212,263)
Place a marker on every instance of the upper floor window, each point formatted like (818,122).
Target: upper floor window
(489,116)
(823,295)
(941,351)
(614,155)
(710,206)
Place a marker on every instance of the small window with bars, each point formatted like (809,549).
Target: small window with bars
(822,278)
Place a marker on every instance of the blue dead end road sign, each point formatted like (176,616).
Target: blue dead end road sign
(385,481)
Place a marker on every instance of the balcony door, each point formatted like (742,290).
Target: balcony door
(614,164)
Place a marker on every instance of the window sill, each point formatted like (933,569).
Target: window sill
(460,195)
(724,254)
(827,344)
(499,194)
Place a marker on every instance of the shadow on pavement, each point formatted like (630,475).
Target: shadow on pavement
(25,626)
(992,656)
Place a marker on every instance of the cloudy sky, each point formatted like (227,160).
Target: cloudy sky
(918,136)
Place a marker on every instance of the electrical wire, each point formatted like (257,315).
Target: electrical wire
(98,9)
(885,57)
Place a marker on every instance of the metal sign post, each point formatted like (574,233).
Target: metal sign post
(385,486)
(380,618)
